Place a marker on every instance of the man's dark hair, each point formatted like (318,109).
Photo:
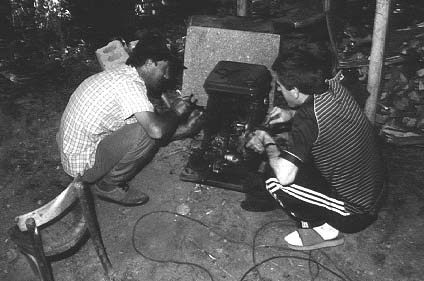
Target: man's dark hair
(303,70)
(151,45)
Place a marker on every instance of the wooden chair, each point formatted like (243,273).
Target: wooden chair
(57,227)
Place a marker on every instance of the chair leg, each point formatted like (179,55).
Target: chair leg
(89,212)
(40,260)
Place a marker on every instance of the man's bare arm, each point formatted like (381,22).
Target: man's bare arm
(279,115)
(158,126)
(284,170)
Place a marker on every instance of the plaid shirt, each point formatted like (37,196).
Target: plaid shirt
(102,104)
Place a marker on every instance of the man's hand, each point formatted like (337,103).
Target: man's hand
(191,127)
(256,140)
(260,141)
(182,107)
(279,115)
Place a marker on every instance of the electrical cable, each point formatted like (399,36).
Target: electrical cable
(169,260)
(311,261)
(292,257)
(334,264)
(310,264)
(256,235)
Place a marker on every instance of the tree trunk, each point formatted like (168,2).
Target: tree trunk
(382,12)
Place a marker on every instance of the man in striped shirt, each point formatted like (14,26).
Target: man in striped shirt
(329,178)
(110,130)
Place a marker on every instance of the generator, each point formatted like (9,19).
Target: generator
(238,101)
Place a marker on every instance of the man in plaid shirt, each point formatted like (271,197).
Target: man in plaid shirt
(109,130)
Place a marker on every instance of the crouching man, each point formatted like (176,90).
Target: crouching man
(330,176)
(110,130)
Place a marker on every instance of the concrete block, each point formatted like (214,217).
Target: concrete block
(210,41)
(112,55)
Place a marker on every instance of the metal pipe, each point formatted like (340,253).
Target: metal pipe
(43,266)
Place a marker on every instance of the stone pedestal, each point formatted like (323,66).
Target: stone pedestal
(212,39)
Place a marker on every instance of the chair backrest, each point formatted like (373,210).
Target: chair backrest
(62,218)
(53,209)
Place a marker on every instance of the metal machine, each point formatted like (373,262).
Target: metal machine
(237,104)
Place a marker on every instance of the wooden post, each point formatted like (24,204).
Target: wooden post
(381,20)
(243,7)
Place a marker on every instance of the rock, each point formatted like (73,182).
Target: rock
(409,122)
(381,118)
(401,103)
(413,95)
(420,123)
(420,110)
(403,81)
(11,255)
(183,209)
(421,85)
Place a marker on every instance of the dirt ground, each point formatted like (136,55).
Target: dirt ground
(222,238)
(216,240)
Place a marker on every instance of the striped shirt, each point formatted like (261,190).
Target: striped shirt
(102,104)
(340,141)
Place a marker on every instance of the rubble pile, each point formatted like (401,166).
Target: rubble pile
(400,109)
(400,112)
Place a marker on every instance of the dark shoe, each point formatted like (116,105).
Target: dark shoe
(122,195)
